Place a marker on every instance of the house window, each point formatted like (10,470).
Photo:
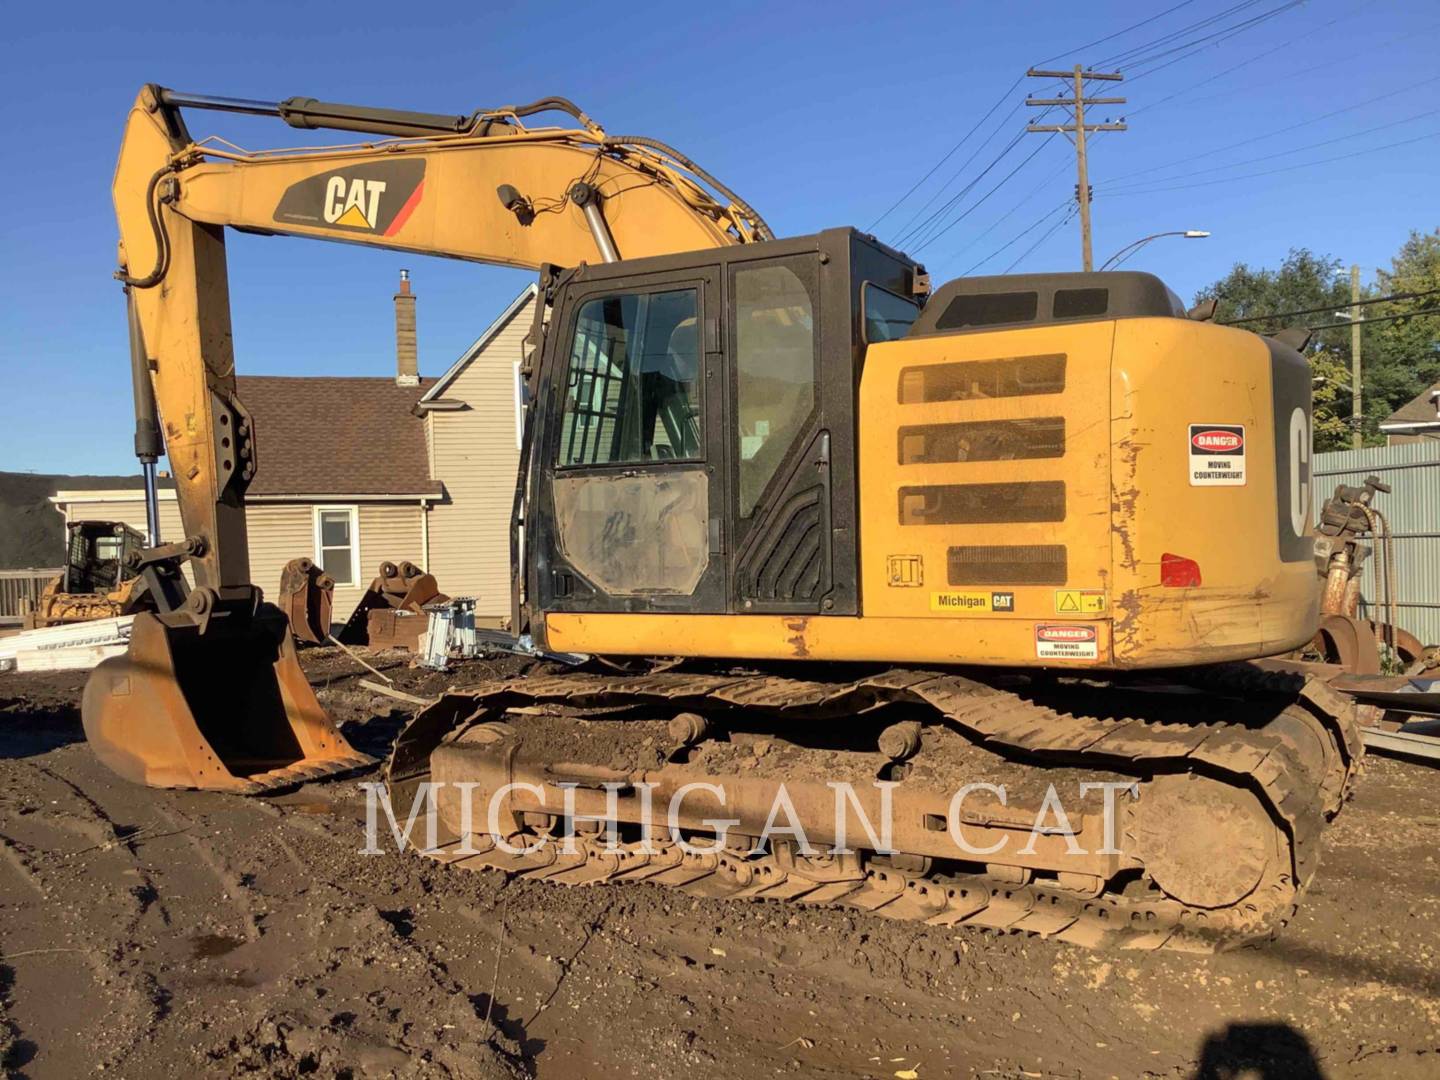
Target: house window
(337,542)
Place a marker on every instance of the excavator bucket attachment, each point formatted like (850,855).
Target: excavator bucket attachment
(397,587)
(307,597)
(222,705)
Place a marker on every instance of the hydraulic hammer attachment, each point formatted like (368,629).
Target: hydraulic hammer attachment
(212,696)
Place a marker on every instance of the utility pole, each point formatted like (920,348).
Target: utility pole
(1077,104)
(1357,418)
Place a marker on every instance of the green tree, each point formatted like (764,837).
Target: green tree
(1401,357)
(1303,282)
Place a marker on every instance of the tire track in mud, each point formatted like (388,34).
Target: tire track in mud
(234,890)
(100,873)
(483,1008)
(346,978)
(11,1034)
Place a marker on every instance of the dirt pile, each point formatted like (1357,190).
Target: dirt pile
(31,532)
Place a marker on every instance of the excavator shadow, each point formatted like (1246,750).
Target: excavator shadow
(1265,1051)
(30,728)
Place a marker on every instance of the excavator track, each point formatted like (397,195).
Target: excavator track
(1296,766)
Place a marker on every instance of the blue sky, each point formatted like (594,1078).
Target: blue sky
(818,114)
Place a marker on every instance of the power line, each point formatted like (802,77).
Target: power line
(1277,154)
(1392,298)
(1118,33)
(976,205)
(1009,90)
(1272,172)
(924,227)
(1020,236)
(1033,192)
(1190,48)
(1279,131)
(906,231)
(1145,53)
(1377,318)
(1046,236)
(977,237)
(1126,56)
(1287,44)
(948,154)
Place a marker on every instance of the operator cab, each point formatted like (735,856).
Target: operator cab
(694,440)
(97,555)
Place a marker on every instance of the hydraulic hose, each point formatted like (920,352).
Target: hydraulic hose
(162,239)
(762,230)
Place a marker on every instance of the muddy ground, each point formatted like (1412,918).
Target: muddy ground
(154,934)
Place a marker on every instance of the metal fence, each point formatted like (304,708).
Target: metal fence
(1413,510)
(18,587)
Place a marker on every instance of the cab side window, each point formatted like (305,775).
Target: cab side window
(774,366)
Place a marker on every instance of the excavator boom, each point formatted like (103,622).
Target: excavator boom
(209,694)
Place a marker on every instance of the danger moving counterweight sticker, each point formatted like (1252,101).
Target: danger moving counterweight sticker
(1072,642)
(1217,455)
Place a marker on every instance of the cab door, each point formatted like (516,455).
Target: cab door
(783,438)
(633,447)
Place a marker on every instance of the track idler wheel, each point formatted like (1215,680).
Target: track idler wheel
(1204,843)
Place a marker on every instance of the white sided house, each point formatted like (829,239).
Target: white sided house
(355,471)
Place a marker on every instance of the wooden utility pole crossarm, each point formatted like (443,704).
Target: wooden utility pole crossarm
(1078,128)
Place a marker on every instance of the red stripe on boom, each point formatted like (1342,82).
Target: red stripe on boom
(406,210)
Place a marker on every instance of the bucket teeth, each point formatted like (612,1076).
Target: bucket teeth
(276,779)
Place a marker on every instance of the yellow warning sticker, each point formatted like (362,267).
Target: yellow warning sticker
(1079,601)
(972,602)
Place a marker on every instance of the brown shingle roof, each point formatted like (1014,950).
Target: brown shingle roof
(325,435)
(1418,410)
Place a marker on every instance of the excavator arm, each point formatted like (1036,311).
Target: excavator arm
(481,187)
(191,705)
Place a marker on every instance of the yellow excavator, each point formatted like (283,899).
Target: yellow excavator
(966,553)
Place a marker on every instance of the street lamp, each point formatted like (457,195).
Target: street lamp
(1130,249)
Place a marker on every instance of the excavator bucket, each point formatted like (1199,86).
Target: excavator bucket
(307,597)
(397,587)
(223,706)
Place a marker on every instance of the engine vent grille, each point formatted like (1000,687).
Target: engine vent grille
(980,379)
(982,440)
(982,504)
(1022,564)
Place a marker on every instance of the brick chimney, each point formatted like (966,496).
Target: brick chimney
(407,361)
